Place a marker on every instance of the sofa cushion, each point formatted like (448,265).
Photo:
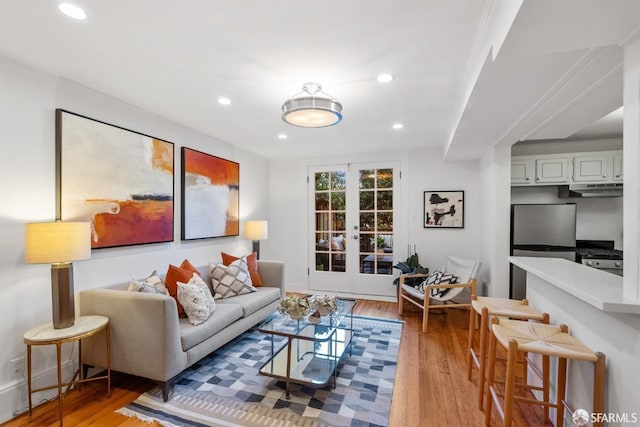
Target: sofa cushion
(254,301)
(224,315)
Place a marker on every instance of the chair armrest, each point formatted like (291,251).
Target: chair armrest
(403,277)
(145,334)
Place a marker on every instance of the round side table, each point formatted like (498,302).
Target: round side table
(84,327)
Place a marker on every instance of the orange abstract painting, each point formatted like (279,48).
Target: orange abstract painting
(119,180)
(210,196)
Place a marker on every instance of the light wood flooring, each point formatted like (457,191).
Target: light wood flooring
(430,389)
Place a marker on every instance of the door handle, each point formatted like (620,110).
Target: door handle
(355,237)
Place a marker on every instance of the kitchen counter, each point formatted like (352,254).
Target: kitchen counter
(597,288)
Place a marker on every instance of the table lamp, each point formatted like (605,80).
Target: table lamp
(59,243)
(256,231)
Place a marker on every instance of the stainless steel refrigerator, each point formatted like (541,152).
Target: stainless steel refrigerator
(540,230)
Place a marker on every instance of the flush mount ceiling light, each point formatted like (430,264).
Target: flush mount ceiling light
(397,126)
(72,11)
(312,108)
(224,100)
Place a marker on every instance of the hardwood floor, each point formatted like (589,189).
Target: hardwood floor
(431,386)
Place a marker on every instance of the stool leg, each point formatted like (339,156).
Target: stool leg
(545,386)
(472,332)
(484,317)
(598,386)
(562,389)
(510,382)
(490,374)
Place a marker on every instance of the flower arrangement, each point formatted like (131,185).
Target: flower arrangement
(295,306)
(324,304)
(299,306)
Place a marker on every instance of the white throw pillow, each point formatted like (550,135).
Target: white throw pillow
(151,285)
(229,281)
(196,299)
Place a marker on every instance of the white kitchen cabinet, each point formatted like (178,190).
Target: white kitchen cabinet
(522,172)
(592,168)
(618,171)
(552,170)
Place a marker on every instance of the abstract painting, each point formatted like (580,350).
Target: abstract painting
(444,209)
(210,196)
(119,180)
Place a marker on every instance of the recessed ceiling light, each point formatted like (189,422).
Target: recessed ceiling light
(282,136)
(397,126)
(72,11)
(224,101)
(385,78)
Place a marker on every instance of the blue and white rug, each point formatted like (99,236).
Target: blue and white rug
(225,389)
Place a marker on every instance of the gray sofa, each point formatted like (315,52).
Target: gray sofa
(149,340)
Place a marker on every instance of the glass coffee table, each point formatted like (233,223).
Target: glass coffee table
(312,352)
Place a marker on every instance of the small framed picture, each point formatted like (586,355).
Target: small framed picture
(444,209)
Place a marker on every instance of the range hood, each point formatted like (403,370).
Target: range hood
(590,190)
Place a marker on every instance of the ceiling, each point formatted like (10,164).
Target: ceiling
(453,87)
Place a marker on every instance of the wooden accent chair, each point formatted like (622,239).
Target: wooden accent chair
(465,269)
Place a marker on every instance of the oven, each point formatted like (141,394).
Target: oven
(599,254)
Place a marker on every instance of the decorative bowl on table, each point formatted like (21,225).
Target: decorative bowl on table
(323,305)
(295,306)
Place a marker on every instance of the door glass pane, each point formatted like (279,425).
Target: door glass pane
(367,178)
(330,220)
(376,221)
(367,201)
(385,178)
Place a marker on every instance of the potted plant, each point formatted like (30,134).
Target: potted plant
(411,266)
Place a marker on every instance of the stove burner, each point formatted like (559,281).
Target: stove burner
(585,253)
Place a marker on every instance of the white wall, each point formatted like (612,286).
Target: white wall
(27,193)
(422,170)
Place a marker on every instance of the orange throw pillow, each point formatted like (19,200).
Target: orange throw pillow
(175,275)
(252,263)
(186,265)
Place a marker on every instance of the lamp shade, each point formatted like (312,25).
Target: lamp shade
(57,242)
(256,230)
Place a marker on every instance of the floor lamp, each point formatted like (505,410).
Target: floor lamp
(59,243)
(256,231)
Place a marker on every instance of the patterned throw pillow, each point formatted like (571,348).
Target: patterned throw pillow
(252,263)
(151,285)
(196,299)
(232,280)
(438,278)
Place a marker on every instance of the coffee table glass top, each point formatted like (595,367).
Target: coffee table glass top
(279,324)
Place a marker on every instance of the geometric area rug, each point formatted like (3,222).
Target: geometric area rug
(225,389)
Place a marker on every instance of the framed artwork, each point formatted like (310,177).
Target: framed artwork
(444,209)
(210,196)
(119,180)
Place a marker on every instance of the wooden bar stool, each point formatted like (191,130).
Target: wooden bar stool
(486,307)
(548,341)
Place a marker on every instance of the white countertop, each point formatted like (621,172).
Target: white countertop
(595,287)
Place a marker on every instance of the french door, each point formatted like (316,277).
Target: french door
(352,227)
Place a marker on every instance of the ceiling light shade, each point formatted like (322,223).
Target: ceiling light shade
(312,108)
